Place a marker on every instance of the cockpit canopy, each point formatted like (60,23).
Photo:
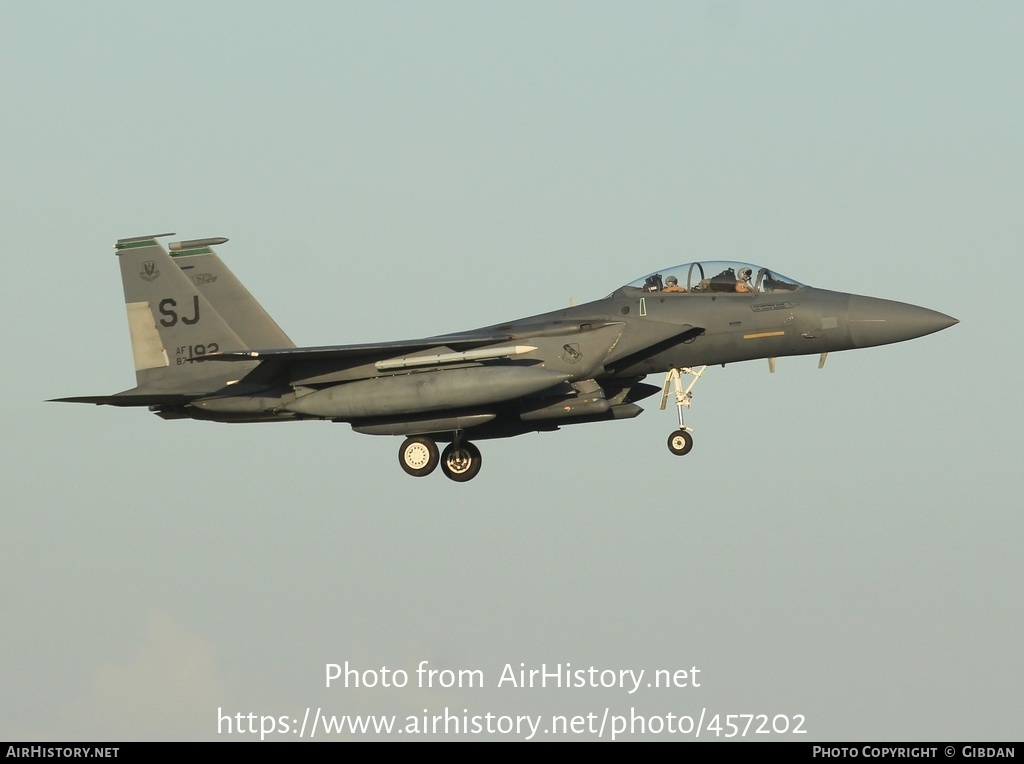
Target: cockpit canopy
(722,276)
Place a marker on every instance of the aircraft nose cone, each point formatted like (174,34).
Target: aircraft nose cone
(879,322)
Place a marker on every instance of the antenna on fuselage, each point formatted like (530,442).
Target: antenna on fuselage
(821,363)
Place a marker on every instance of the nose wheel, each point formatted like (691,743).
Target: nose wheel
(680,442)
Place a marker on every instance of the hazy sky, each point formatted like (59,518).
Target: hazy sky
(841,545)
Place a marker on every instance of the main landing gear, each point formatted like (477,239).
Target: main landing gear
(681,441)
(418,456)
(460,461)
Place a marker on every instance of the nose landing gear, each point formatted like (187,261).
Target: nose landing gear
(680,442)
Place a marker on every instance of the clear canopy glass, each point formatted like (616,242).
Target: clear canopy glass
(722,276)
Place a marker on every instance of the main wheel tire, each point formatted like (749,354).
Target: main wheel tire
(461,464)
(680,442)
(418,456)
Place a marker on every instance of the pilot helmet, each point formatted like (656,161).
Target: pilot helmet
(671,281)
(745,273)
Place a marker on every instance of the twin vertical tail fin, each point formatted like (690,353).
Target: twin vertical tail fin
(186,306)
(227,295)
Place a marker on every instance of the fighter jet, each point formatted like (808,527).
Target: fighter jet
(204,348)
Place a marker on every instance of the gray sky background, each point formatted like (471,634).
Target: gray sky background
(842,544)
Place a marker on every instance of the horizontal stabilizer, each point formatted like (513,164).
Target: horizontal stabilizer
(146,399)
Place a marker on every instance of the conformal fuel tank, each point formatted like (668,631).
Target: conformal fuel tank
(426,391)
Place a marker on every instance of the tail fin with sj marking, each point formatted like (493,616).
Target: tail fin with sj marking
(227,295)
(181,308)
(170,322)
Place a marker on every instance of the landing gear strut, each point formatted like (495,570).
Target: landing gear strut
(681,441)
